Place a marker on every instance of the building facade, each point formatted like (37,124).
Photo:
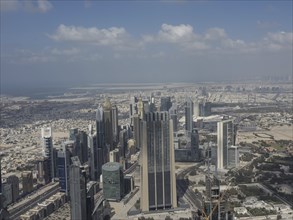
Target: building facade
(158,183)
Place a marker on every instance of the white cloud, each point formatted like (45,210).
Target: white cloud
(106,37)
(41,6)
(44,5)
(174,34)
(215,34)
(281,37)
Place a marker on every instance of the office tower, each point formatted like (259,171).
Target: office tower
(158,183)
(146,105)
(152,106)
(136,130)
(108,131)
(123,137)
(115,124)
(233,156)
(101,152)
(225,138)
(173,115)
(74,136)
(43,168)
(140,109)
(93,158)
(63,162)
(166,103)
(77,182)
(194,144)
(83,147)
(27,182)
(14,181)
(189,115)
(132,108)
(48,150)
(113,185)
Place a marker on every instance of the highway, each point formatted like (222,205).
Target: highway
(182,187)
(39,196)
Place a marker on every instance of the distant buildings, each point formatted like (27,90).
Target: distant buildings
(158,183)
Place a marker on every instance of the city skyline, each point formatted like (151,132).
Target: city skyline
(47,43)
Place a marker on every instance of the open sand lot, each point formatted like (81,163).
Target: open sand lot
(277,133)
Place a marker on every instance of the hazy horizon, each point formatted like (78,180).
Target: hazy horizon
(53,44)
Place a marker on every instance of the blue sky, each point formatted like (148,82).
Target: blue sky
(75,42)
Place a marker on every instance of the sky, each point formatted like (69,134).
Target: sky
(47,43)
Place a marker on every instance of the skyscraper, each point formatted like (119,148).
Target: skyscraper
(48,150)
(83,147)
(158,183)
(115,124)
(165,103)
(225,138)
(132,108)
(108,130)
(136,130)
(77,181)
(100,150)
(63,162)
(94,154)
(189,115)
(174,116)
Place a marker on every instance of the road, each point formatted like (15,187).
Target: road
(39,196)
(182,187)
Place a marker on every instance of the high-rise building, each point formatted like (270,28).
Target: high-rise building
(166,103)
(132,108)
(48,150)
(93,157)
(83,147)
(113,185)
(27,181)
(225,138)
(158,183)
(123,137)
(233,156)
(108,130)
(115,124)
(14,181)
(136,130)
(63,162)
(78,190)
(174,116)
(43,167)
(75,137)
(189,115)
(100,150)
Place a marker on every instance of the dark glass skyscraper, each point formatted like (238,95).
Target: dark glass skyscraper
(48,150)
(158,183)
(165,103)
(189,115)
